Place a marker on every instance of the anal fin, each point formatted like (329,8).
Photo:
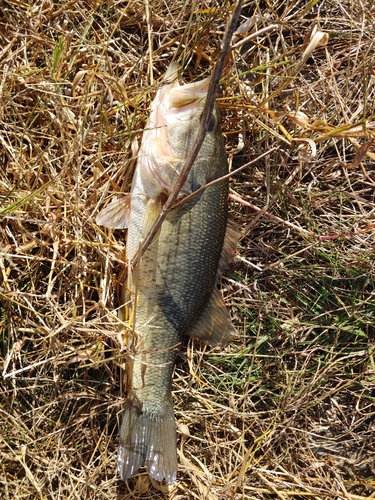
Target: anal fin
(214,326)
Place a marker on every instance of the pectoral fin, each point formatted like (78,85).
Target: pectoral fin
(152,212)
(116,214)
(214,326)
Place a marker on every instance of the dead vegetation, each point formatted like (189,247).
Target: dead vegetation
(288,409)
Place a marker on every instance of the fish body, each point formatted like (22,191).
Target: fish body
(172,290)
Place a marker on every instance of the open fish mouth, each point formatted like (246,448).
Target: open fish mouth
(183,95)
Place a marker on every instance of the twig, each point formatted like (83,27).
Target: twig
(220,179)
(257,34)
(237,198)
(234,196)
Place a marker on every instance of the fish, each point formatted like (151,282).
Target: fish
(173,289)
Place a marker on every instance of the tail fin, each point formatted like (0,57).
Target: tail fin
(149,440)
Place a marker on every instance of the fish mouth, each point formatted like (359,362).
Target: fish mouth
(184,95)
(185,100)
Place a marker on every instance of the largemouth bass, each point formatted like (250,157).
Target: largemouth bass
(172,291)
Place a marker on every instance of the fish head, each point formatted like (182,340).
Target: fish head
(172,130)
(183,115)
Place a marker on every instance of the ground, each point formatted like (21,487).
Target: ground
(287,409)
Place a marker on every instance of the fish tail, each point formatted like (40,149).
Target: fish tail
(150,440)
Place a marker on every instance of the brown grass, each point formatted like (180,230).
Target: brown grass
(288,409)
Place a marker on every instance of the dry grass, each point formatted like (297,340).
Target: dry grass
(288,409)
